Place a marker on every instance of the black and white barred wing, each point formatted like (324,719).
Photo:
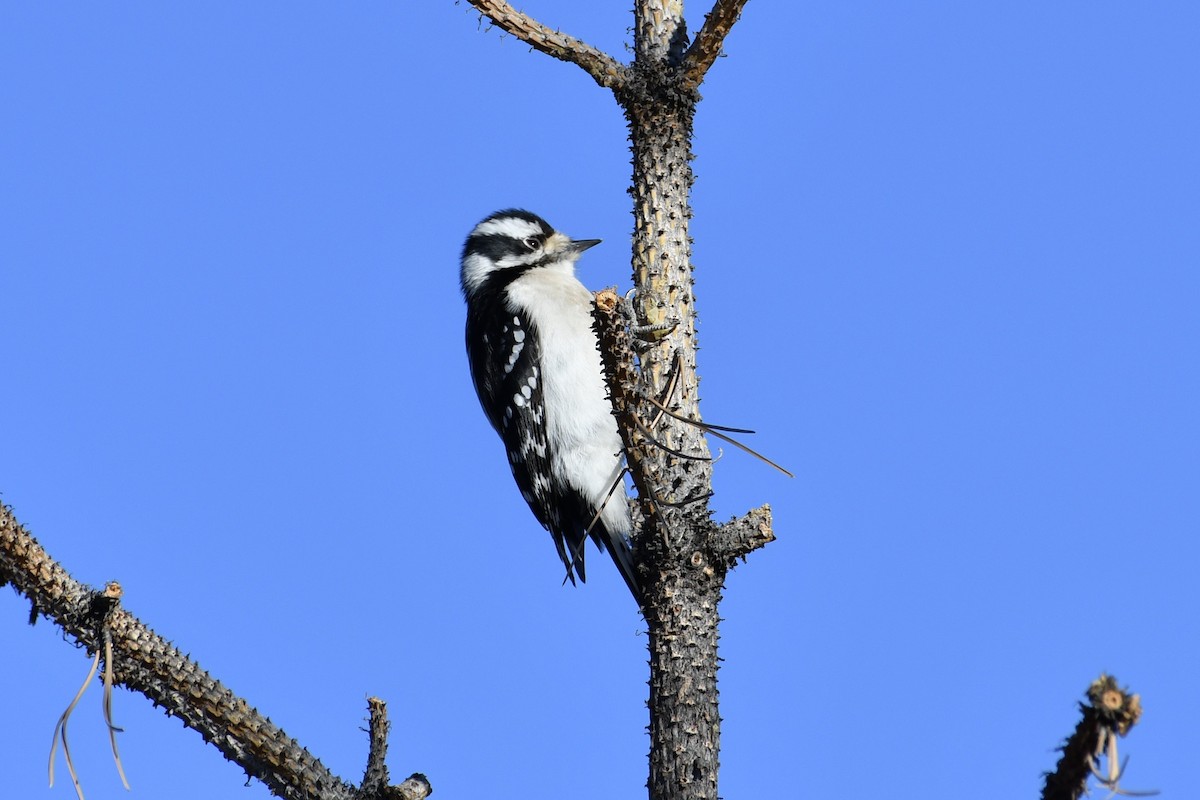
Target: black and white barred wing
(509,376)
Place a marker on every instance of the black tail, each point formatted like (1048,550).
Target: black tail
(618,547)
(622,555)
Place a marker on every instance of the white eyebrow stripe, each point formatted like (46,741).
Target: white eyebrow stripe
(515,227)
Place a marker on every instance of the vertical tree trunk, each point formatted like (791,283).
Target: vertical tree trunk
(683,586)
(683,556)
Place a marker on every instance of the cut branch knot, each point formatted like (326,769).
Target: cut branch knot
(1110,713)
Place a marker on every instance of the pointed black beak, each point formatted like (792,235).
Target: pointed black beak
(579,245)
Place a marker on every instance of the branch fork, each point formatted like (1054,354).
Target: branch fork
(725,544)
(694,61)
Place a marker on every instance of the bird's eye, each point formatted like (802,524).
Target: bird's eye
(533,243)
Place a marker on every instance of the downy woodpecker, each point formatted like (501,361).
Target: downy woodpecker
(536,368)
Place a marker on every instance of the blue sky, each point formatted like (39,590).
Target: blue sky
(947,266)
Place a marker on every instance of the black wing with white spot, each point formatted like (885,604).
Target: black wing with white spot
(508,379)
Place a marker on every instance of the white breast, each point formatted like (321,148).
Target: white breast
(584,443)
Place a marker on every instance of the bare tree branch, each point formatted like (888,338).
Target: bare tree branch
(740,537)
(616,355)
(414,787)
(376,775)
(682,555)
(682,558)
(1109,713)
(606,70)
(145,662)
(707,46)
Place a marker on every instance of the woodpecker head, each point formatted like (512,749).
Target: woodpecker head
(514,241)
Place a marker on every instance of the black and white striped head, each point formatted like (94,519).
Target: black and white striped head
(514,241)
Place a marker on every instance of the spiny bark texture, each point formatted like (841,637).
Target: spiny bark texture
(145,662)
(685,574)
(683,584)
(660,32)
(1110,712)
(682,570)
(604,69)
(682,557)
(707,47)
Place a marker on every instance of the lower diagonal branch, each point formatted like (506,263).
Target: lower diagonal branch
(146,663)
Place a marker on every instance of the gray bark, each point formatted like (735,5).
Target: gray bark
(147,663)
(682,556)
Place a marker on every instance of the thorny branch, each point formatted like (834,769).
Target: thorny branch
(616,355)
(376,776)
(1110,713)
(102,606)
(659,102)
(709,41)
(144,662)
(604,69)
(725,543)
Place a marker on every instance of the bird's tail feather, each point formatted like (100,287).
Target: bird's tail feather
(622,555)
(618,548)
